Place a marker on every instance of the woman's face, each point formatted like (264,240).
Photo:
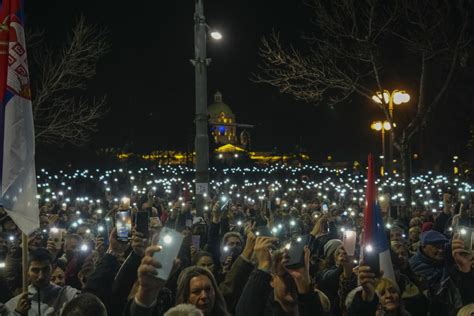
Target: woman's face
(202,294)
(340,256)
(58,277)
(402,256)
(206,262)
(390,299)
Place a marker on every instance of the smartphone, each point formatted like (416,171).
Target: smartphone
(142,223)
(170,242)
(123,223)
(372,259)
(466,234)
(263,231)
(225,205)
(349,241)
(196,240)
(325,208)
(296,252)
(103,231)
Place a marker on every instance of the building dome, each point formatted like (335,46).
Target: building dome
(216,109)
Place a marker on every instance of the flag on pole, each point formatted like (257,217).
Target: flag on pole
(17,137)
(374,229)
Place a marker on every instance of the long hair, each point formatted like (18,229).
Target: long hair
(183,291)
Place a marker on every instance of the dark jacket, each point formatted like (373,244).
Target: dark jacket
(359,307)
(100,281)
(429,270)
(336,287)
(257,291)
(235,281)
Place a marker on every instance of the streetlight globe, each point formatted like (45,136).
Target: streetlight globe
(387,126)
(376,99)
(377,126)
(216,35)
(386,97)
(400,97)
(406,97)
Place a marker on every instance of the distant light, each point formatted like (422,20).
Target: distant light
(216,35)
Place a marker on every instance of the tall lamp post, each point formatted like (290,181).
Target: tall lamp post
(391,98)
(201,142)
(382,127)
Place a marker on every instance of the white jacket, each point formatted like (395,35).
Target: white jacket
(53,298)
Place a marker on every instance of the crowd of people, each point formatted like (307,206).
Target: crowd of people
(234,257)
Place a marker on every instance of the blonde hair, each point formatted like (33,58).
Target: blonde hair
(184,310)
(467,310)
(385,284)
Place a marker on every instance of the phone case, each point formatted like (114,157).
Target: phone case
(296,252)
(170,241)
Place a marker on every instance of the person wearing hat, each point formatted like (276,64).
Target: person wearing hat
(337,278)
(429,260)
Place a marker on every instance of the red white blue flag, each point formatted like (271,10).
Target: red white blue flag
(17,136)
(374,229)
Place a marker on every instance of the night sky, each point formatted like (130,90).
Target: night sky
(149,81)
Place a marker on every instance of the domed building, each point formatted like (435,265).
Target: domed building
(222,122)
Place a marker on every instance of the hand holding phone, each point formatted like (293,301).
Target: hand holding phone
(372,260)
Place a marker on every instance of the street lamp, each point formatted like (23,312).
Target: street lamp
(201,142)
(380,126)
(390,98)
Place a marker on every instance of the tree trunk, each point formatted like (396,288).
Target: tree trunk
(405,155)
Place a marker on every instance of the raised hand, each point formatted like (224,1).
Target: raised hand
(367,281)
(262,252)
(462,257)
(301,275)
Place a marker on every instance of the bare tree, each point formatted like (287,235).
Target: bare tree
(62,113)
(346,55)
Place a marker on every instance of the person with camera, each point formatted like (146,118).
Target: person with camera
(272,289)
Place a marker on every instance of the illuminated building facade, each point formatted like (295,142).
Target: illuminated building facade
(231,140)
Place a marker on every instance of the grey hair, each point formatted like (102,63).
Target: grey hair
(184,310)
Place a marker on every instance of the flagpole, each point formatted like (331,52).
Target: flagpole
(24,260)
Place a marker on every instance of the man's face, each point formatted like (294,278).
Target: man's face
(233,242)
(414,235)
(206,262)
(44,222)
(396,234)
(435,251)
(39,273)
(58,277)
(202,294)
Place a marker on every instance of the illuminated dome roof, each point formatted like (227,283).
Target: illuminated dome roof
(218,107)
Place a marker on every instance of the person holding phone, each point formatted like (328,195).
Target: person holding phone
(336,279)
(273,289)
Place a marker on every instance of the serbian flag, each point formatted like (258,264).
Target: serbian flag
(17,136)
(374,229)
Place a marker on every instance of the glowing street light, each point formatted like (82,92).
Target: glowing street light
(390,98)
(380,126)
